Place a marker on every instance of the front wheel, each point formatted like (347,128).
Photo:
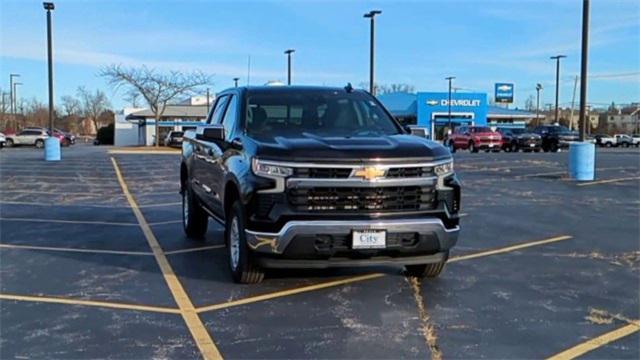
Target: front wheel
(194,218)
(10,143)
(425,270)
(472,147)
(243,268)
(39,144)
(553,147)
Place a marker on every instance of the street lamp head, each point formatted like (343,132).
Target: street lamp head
(538,86)
(48,6)
(557,57)
(372,13)
(289,51)
(450,78)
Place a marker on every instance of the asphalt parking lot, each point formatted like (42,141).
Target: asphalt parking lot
(543,265)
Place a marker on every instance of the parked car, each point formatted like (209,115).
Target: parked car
(3,140)
(475,138)
(555,137)
(316,177)
(623,140)
(31,137)
(174,138)
(520,139)
(608,141)
(65,138)
(636,139)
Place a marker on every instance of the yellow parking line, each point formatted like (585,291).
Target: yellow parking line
(289,292)
(201,248)
(355,279)
(200,334)
(507,249)
(597,342)
(78,250)
(104,304)
(609,181)
(70,221)
(145,152)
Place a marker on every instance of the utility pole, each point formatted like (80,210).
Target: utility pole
(12,102)
(371,15)
(573,101)
(538,88)
(52,144)
(583,69)
(289,52)
(450,78)
(557,59)
(15,104)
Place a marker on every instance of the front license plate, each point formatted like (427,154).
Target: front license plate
(369,239)
(490,145)
(532,145)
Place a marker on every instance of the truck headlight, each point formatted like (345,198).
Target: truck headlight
(444,169)
(268,169)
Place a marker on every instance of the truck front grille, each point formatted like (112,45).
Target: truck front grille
(344,173)
(360,199)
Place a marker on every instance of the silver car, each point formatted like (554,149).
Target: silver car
(32,137)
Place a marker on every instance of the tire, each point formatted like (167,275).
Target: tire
(472,147)
(514,147)
(608,144)
(553,147)
(452,146)
(425,270)
(241,264)
(625,145)
(194,219)
(10,143)
(39,144)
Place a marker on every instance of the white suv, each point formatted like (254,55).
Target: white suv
(32,137)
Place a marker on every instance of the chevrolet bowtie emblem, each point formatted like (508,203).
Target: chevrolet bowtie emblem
(369,173)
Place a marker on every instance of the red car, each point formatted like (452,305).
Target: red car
(475,138)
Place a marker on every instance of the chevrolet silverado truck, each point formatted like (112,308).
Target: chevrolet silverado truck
(555,137)
(317,177)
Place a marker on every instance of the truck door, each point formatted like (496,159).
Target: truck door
(203,152)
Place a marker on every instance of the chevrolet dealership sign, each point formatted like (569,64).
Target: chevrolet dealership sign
(434,106)
(454,102)
(504,93)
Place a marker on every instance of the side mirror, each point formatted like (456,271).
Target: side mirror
(418,131)
(210,133)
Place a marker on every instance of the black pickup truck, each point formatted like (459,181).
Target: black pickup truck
(316,177)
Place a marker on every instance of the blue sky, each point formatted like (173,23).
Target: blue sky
(418,42)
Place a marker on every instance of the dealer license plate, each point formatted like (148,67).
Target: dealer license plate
(369,239)
(490,145)
(532,145)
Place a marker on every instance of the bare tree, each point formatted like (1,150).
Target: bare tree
(157,88)
(530,103)
(132,97)
(394,88)
(93,104)
(71,105)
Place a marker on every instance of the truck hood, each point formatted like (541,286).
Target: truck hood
(495,135)
(341,149)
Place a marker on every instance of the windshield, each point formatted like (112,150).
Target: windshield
(177,133)
(328,113)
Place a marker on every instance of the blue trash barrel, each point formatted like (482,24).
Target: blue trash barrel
(582,161)
(52,149)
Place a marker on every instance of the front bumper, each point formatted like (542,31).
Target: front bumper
(327,242)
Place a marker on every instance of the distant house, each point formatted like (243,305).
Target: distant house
(626,120)
(136,126)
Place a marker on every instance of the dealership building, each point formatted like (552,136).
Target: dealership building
(431,110)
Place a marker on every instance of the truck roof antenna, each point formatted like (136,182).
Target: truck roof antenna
(348,88)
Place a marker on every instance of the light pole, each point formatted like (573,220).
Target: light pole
(538,88)
(12,103)
(15,99)
(450,78)
(235,81)
(583,69)
(289,52)
(557,59)
(371,15)
(52,144)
